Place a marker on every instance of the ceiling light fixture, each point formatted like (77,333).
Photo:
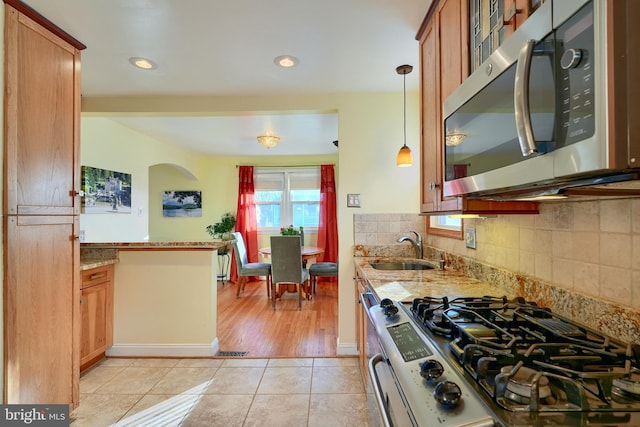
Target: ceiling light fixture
(454,138)
(143,63)
(405,158)
(268,140)
(286,61)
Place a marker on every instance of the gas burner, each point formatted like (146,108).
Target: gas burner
(527,358)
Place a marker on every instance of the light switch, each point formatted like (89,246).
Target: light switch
(353,200)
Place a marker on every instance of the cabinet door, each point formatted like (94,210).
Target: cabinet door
(431,124)
(42,294)
(42,105)
(444,52)
(95,308)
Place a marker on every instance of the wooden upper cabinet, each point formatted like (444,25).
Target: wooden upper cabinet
(42,85)
(444,58)
(431,170)
(491,22)
(515,13)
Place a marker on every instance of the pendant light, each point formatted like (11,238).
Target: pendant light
(405,158)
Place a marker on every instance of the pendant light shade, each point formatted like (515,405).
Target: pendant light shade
(405,158)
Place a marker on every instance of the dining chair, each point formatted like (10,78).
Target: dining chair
(286,265)
(322,269)
(246,268)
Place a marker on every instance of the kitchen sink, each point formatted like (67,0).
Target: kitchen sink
(400,265)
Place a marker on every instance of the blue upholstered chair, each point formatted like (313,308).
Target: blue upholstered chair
(286,265)
(246,268)
(322,269)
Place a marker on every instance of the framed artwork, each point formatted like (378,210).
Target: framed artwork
(105,191)
(182,203)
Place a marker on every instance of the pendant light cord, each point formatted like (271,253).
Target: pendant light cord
(404,87)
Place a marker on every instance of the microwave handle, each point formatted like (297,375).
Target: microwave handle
(521,100)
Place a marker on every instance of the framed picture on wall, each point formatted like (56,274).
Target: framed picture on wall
(105,191)
(182,203)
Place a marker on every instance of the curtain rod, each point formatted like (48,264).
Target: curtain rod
(288,166)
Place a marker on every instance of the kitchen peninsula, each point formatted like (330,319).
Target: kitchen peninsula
(164,296)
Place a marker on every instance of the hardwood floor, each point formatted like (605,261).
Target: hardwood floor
(250,324)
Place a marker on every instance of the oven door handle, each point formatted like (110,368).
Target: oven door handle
(377,388)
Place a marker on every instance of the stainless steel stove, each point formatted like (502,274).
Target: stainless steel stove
(489,361)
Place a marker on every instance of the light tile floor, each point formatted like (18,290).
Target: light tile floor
(225,392)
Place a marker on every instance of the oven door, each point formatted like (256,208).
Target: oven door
(388,398)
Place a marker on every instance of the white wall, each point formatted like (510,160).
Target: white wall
(370,134)
(106,144)
(218,182)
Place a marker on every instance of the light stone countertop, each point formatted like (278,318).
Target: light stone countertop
(94,255)
(89,264)
(159,245)
(405,285)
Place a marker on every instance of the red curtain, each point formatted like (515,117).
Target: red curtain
(328,225)
(246,223)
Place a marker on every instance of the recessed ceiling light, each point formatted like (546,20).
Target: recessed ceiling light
(286,61)
(144,63)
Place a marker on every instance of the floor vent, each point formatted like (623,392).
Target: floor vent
(232,353)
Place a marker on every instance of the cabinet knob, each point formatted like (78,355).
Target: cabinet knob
(77,193)
(433,186)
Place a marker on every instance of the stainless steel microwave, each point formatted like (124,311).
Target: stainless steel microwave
(555,106)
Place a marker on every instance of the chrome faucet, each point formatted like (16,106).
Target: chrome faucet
(417,243)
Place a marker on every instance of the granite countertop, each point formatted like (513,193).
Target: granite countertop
(94,255)
(88,264)
(405,285)
(210,245)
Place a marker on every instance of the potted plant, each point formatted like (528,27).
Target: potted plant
(222,229)
(293,231)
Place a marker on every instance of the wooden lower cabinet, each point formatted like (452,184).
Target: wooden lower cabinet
(96,314)
(364,337)
(41,295)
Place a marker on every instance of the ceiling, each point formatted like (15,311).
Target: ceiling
(227,48)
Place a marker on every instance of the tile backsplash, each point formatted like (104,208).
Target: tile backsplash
(582,258)
(590,247)
(386,229)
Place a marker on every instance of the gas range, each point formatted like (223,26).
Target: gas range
(512,361)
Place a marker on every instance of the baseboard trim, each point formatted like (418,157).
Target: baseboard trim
(164,350)
(347,349)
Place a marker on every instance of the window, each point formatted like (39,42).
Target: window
(287,197)
(443,225)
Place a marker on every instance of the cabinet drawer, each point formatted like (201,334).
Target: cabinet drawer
(96,276)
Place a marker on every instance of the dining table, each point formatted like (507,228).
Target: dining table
(308,252)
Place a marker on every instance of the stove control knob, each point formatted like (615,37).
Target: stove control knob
(385,303)
(447,393)
(390,310)
(431,369)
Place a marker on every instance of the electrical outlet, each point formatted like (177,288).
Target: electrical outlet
(470,237)
(81,236)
